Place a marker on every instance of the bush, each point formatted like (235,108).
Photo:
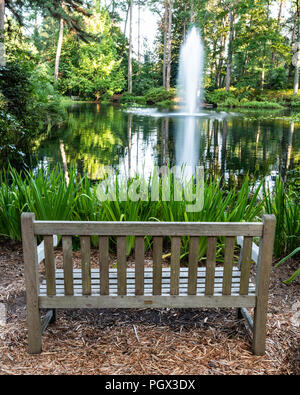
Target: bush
(219,96)
(231,102)
(28,95)
(156,95)
(128,98)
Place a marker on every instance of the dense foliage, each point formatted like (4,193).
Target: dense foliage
(83,48)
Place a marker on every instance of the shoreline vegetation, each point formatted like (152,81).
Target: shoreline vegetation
(219,98)
(47,194)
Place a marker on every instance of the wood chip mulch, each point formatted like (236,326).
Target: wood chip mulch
(148,341)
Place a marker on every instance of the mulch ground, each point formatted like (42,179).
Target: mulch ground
(148,341)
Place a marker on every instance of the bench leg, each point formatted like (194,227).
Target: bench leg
(34,330)
(262,284)
(31,274)
(49,318)
(54,316)
(239,314)
(260,327)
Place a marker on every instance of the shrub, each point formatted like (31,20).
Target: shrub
(219,96)
(156,95)
(128,98)
(231,102)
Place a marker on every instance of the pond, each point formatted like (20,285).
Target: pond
(226,144)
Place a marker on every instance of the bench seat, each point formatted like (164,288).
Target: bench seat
(148,282)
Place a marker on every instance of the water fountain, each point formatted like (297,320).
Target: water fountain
(190,76)
(190,88)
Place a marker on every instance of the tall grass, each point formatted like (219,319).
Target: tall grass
(283,202)
(47,195)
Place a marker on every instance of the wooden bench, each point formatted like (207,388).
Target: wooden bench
(157,287)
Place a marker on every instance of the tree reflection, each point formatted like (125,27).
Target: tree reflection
(97,135)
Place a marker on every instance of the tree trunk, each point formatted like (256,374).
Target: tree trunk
(192,12)
(130,49)
(296,81)
(220,63)
(296,75)
(230,52)
(184,22)
(2,47)
(139,36)
(59,46)
(165,30)
(262,78)
(126,19)
(293,40)
(273,53)
(169,58)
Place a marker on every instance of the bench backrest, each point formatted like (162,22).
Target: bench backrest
(265,230)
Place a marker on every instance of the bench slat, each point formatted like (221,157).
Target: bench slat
(149,272)
(68,264)
(210,265)
(89,228)
(246,265)
(139,265)
(157,301)
(157,266)
(121,264)
(49,265)
(85,244)
(175,265)
(149,280)
(228,264)
(104,264)
(193,265)
(148,290)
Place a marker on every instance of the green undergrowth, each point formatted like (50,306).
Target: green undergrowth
(47,195)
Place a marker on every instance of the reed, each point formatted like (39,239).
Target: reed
(47,195)
(283,202)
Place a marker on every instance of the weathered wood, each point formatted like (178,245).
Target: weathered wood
(85,244)
(141,287)
(210,265)
(139,265)
(193,265)
(147,228)
(157,266)
(248,319)
(121,264)
(149,280)
(46,320)
(104,265)
(142,301)
(262,284)
(31,282)
(41,249)
(246,265)
(228,264)
(175,265)
(183,290)
(49,265)
(67,264)
(254,252)
(149,272)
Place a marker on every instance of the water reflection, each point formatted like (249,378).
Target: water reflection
(96,136)
(187,141)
